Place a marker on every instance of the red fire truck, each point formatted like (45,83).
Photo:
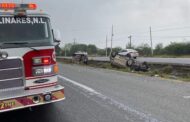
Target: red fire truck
(28,68)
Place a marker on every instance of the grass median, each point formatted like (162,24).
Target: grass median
(156,70)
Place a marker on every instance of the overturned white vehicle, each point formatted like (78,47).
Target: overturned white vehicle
(130,53)
(120,60)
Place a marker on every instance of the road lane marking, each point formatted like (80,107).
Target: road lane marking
(147,117)
(78,84)
(186,97)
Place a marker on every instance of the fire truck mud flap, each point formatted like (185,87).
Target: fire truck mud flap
(19,98)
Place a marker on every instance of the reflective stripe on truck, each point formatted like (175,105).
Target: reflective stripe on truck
(32,100)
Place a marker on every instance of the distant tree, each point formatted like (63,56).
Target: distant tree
(101,52)
(159,49)
(67,46)
(144,50)
(178,48)
(117,49)
(78,47)
(58,50)
(128,46)
(66,49)
(91,49)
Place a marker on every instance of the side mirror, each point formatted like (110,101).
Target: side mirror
(57,36)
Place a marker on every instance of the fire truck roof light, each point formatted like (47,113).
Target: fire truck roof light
(32,6)
(7,5)
(14,6)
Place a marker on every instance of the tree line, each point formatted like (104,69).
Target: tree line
(173,48)
(69,49)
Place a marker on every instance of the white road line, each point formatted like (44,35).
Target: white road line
(186,97)
(78,84)
(148,118)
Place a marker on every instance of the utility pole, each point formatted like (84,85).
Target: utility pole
(130,38)
(65,52)
(152,52)
(74,41)
(106,46)
(112,34)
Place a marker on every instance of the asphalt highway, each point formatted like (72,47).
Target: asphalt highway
(100,95)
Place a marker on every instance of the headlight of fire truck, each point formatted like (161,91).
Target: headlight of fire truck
(38,71)
(42,66)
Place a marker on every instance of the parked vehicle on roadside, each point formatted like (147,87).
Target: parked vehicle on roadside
(131,53)
(80,57)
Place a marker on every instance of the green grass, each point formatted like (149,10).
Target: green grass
(160,71)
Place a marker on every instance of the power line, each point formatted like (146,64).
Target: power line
(164,29)
(163,36)
(168,29)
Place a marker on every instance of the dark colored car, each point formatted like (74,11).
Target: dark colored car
(80,57)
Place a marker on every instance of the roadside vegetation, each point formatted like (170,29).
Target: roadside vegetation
(163,71)
(172,50)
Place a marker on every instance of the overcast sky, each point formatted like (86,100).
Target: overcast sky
(89,21)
